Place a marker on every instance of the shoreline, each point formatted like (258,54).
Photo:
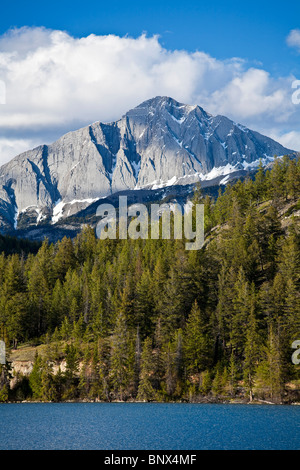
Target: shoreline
(181,402)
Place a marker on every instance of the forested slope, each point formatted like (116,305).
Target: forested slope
(148,320)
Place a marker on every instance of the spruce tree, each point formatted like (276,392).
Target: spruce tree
(196,345)
(146,391)
(119,359)
(252,348)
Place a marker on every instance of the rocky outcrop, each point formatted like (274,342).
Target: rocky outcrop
(159,143)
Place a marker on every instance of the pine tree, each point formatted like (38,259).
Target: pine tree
(260,183)
(224,311)
(125,303)
(39,300)
(217,387)
(146,391)
(276,181)
(64,258)
(137,360)
(119,360)
(71,372)
(99,388)
(66,328)
(58,306)
(144,304)
(170,368)
(85,244)
(45,257)
(48,389)
(233,374)
(14,282)
(158,355)
(292,182)
(252,348)
(17,318)
(85,375)
(35,378)
(289,257)
(197,350)
(179,359)
(276,372)
(205,382)
(241,306)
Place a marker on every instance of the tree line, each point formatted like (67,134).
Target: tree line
(148,320)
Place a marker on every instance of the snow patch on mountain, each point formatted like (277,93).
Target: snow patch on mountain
(59,208)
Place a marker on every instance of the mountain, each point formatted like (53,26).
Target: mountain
(158,144)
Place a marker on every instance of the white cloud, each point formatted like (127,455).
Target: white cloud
(293,39)
(56,83)
(251,93)
(9,148)
(290,140)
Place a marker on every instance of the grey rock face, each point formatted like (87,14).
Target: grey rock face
(160,142)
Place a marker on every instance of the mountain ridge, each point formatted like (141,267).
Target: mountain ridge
(159,143)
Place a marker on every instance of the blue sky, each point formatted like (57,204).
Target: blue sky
(66,64)
(253,30)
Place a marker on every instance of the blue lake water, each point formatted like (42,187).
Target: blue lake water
(148,426)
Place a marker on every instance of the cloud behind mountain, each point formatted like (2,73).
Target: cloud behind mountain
(56,83)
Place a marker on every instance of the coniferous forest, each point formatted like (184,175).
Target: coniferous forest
(148,320)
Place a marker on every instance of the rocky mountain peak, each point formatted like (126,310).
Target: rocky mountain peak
(161,142)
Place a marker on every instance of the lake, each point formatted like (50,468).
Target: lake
(148,426)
